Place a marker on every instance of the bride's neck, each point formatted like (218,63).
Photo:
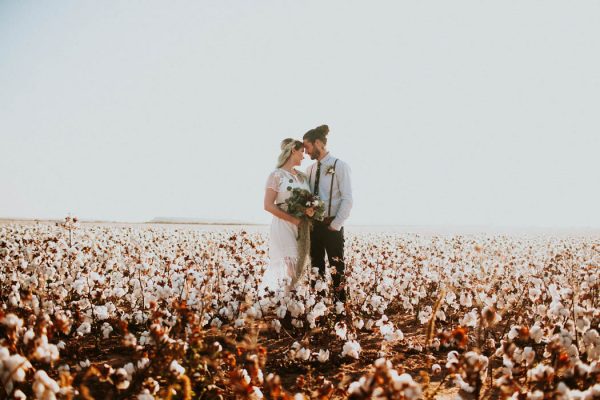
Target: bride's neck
(288,167)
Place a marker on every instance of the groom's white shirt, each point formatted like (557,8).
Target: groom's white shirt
(341,198)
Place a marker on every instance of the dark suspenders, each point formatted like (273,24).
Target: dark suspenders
(331,189)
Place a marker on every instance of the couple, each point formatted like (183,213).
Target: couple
(328,178)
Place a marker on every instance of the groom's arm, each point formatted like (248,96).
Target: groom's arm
(343,176)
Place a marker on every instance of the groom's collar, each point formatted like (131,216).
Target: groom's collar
(327,158)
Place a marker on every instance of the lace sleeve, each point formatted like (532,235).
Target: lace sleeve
(273,181)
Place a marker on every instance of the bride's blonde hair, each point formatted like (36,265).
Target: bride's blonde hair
(287,145)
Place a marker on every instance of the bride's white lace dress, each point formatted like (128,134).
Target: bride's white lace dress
(283,245)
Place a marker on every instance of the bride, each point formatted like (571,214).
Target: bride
(283,270)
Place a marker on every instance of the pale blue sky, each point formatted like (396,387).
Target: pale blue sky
(448,112)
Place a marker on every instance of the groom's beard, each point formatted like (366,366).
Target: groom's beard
(315,154)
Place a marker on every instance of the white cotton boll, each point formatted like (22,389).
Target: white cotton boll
(11,321)
(130,369)
(297,323)
(256,394)
(303,354)
(514,332)
(143,363)
(323,355)
(101,312)
(386,329)
(245,376)
(176,368)
(276,325)
(311,319)
(18,395)
(14,300)
(459,381)
(351,349)
(28,336)
(425,314)
(44,387)
(572,351)
(452,359)
(528,355)
(106,330)
(341,330)
(339,307)
(436,369)
(84,329)
(591,338)
(12,368)
(394,336)
(583,324)
(121,379)
(539,371)
(466,300)
(145,339)
(240,322)
(358,323)
(96,277)
(536,333)
(357,386)
(296,309)
(381,321)
(534,293)
(536,395)
(46,352)
(251,312)
(582,368)
(319,309)
(129,340)
(470,319)
(281,311)
(145,395)
(320,285)
(79,285)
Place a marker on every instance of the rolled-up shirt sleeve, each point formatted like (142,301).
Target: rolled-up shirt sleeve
(345,187)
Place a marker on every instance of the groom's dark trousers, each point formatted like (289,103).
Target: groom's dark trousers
(323,240)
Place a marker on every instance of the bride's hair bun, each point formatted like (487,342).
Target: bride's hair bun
(320,132)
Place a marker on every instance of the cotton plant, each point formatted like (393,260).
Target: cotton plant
(522,300)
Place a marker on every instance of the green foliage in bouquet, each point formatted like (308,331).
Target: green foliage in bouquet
(303,204)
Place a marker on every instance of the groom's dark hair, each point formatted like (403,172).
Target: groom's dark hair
(320,132)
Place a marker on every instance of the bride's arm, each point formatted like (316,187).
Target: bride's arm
(270,206)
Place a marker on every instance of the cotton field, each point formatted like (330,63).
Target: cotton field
(107,312)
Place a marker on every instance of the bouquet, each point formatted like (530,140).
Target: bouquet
(305,205)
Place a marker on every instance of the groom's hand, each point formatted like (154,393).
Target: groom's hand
(331,228)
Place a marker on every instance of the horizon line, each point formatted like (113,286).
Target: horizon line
(216,222)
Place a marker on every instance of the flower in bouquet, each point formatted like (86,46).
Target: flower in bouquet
(303,204)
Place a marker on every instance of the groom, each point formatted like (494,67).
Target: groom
(329,178)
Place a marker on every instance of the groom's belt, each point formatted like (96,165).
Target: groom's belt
(326,221)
